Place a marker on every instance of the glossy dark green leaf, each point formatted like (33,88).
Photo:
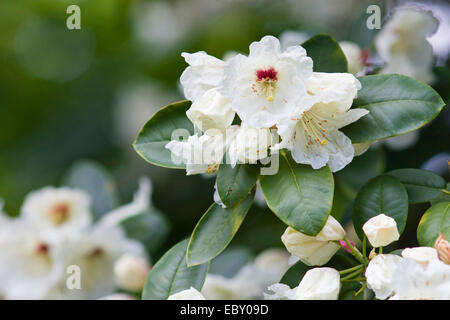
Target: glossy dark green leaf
(230,261)
(299,195)
(383,194)
(326,54)
(397,105)
(421,185)
(150,228)
(215,230)
(234,184)
(171,274)
(436,219)
(97,182)
(157,132)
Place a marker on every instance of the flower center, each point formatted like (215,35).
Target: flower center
(315,133)
(59,213)
(266,80)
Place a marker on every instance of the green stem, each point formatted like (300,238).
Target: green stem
(352,275)
(364,246)
(445,191)
(362,289)
(351,269)
(380,250)
(354,280)
(355,253)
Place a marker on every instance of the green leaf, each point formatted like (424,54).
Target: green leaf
(299,195)
(215,230)
(444,196)
(150,228)
(326,54)
(436,219)
(234,184)
(171,274)
(363,168)
(97,182)
(230,261)
(397,105)
(421,185)
(383,194)
(157,132)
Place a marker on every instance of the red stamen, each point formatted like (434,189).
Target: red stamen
(270,73)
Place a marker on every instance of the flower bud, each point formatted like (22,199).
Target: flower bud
(379,274)
(443,249)
(422,255)
(317,250)
(189,294)
(211,111)
(130,272)
(319,284)
(381,230)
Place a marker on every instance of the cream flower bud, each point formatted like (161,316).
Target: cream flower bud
(379,274)
(381,230)
(443,249)
(189,294)
(211,111)
(422,255)
(130,272)
(319,284)
(317,250)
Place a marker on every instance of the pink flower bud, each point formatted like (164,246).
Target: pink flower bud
(344,245)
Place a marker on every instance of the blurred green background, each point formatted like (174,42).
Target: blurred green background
(67,95)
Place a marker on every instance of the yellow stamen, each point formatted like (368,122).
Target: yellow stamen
(270,98)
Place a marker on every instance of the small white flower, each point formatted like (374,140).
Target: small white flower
(402,43)
(381,230)
(319,284)
(354,56)
(317,250)
(250,145)
(380,274)
(57,208)
(312,131)
(188,294)
(263,86)
(131,272)
(211,111)
(205,72)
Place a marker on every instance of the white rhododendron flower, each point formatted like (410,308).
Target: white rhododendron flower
(188,294)
(317,284)
(57,208)
(355,56)
(201,154)
(381,230)
(250,145)
(130,272)
(264,86)
(317,250)
(211,111)
(402,43)
(205,72)
(414,280)
(380,272)
(32,261)
(95,251)
(312,131)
